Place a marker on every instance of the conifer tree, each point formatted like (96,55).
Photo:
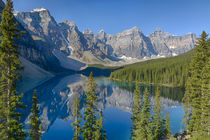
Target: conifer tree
(10,127)
(101,133)
(205,101)
(193,94)
(167,126)
(90,115)
(144,130)
(136,112)
(34,132)
(78,118)
(158,119)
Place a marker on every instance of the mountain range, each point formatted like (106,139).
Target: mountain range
(55,47)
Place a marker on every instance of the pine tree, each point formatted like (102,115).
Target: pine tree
(10,127)
(101,133)
(78,118)
(167,126)
(34,132)
(158,119)
(205,101)
(90,115)
(136,112)
(193,94)
(144,130)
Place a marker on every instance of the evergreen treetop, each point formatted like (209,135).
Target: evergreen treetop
(136,110)
(78,118)
(35,132)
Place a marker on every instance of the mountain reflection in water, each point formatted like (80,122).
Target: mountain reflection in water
(56,98)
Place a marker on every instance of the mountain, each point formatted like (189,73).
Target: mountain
(61,41)
(166,44)
(84,46)
(74,49)
(64,46)
(30,55)
(45,33)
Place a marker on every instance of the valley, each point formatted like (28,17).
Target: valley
(103,70)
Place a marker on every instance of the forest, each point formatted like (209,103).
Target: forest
(190,70)
(166,71)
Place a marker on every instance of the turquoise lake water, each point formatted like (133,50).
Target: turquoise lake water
(56,98)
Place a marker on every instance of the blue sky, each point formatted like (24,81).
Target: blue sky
(174,16)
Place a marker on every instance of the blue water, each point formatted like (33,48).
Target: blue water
(56,98)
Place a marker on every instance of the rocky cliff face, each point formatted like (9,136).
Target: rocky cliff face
(45,33)
(29,50)
(65,39)
(130,43)
(170,45)
(84,46)
(42,26)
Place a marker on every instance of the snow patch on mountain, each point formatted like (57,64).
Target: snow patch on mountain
(68,43)
(15,13)
(161,56)
(39,10)
(126,58)
(172,47)
(174,54)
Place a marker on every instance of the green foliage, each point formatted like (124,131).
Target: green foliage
(196,99)
(90,115)
(167,71)
(101,134)
(167,127)
(205,104)
(102,66)
(93,121)
(10,127)
(158,122)
(35,132)
(175,93)
(144,126)
(78,118)
(136,112)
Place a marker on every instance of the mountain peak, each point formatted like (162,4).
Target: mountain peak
(159,30)
(70,23)
(133,30)
(15,13)
(39,10)
(136,28)
(88,31)
(101,31)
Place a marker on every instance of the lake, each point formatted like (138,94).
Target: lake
(56,98)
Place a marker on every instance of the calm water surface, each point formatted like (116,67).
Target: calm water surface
(56,98)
